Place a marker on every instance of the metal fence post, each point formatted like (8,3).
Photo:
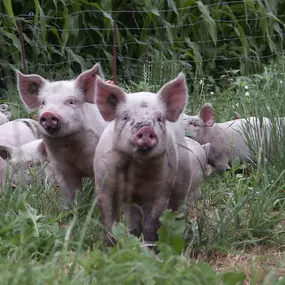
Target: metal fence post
(115,52)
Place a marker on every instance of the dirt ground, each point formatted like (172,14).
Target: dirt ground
(262,259)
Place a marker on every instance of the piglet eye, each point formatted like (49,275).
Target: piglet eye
(195,124)
(125,117)
(71,101)
(42,103)
(159,119)
(31,164)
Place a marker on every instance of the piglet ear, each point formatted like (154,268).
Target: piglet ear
(208,115)
(108,96)
(6,151)
(87,82)
(29,87)
(174,95)
(42,150)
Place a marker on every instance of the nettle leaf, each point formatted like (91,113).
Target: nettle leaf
(126,240)
(206,270)
(236,161)
(171,232)
(232,278)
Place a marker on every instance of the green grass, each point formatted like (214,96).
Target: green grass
(240,212)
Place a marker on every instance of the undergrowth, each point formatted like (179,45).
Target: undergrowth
(240,210)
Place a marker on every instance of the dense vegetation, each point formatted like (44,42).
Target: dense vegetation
(240,213)
(205,38)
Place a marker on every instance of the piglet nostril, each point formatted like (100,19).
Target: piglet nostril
(54,121)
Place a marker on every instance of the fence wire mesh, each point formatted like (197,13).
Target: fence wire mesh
(153,42)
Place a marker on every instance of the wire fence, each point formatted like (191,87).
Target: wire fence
(203,40)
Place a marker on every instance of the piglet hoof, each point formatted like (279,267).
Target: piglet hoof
(150,245)
(150,236)
(65,205)
(135,232)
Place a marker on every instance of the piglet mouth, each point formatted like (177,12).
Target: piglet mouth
(143,149)
(52,130)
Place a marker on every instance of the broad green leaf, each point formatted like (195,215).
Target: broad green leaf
(66,26)
(232,278)
(239,31)
(54,30)
(36,16)
(16,41)
(171,231)
(155,12)
(9,9)
(42,20)
(209,20)
(172,5)
(75,57)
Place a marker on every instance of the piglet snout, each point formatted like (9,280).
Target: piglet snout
(50,122)
(145,138)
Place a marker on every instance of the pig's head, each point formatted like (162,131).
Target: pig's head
(5,109)
(59,102)
(195,126)
(26,163)
(140,119)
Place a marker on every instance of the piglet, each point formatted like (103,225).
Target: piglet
(14,134)
(70,124)
(139,162)
(237,138)
(5,110)
(28,163)
(199,167)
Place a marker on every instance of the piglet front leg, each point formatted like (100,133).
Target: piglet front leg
(69,182)
(152,213)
